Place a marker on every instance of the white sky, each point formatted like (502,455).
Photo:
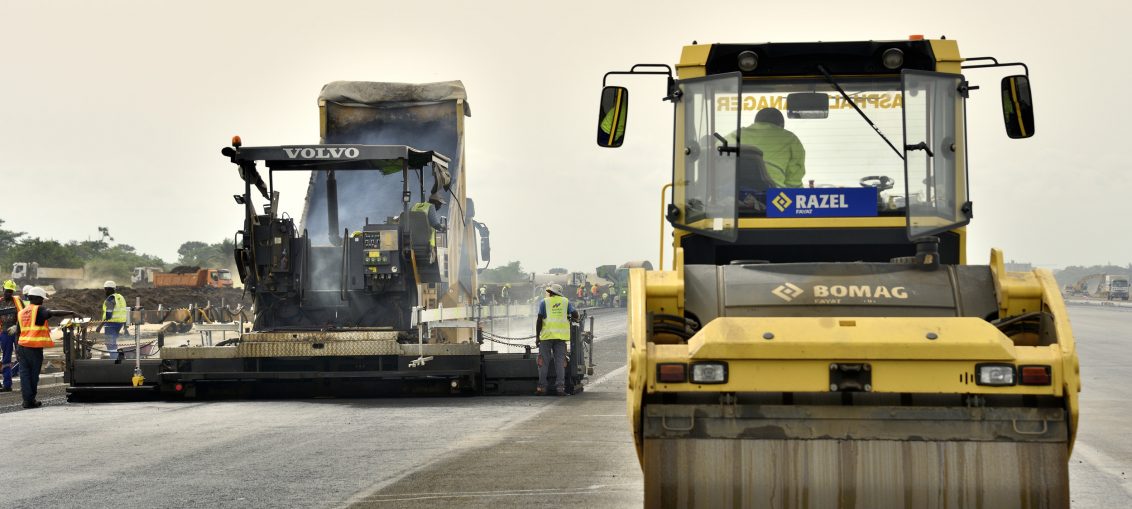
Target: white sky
(113,113)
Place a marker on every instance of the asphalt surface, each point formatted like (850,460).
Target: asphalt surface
(437,452)
(406,452)
(1101,464)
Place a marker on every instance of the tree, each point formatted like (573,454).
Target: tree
(8,240)
(510,273)
(196,253)
(118,263)
(48,253)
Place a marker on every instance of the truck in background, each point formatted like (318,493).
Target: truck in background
(192,277)
(1113,287)
(31,273)
(142,277)
(1099,286)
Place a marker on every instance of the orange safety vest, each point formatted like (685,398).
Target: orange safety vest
(32,335)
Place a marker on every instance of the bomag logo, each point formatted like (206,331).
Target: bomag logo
(322,152)
(832,294)
(787,291)
(781,202)
(861,291)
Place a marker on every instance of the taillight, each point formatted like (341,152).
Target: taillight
(671,373)
(1034,375)
(994,374)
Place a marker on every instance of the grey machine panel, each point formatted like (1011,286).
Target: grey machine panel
(838,289)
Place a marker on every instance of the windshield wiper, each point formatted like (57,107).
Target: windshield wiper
(829,78)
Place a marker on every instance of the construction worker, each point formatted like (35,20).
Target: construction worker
(505,293)
(114,313)
(782,152)
(10,306)
(604,298)
(552,328)
(483,295)
(430,207)
(35,335)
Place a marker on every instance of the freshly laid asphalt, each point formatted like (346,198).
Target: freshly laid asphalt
(497,452)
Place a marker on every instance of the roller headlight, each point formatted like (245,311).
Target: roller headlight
(748,61)
(709,373)
(892,58)
(994,374)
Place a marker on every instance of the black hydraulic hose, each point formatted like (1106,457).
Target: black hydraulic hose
(332,206)
(1010,320)
(694,324)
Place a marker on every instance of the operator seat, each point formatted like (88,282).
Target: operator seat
(752,180)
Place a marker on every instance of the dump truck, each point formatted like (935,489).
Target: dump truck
(31,273)
(192,277)
(369,290)
(821,338)
(1113,287)
(142,277)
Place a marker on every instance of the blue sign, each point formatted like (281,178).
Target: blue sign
(822,202)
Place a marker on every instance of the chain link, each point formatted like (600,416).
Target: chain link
(500,340)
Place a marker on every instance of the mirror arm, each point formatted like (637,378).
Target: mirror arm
(995,63)
(633,70)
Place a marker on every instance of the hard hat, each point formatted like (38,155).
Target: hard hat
(37,292)
(10,285)
(26,289)
(555,289)
(109,284)
(437,198)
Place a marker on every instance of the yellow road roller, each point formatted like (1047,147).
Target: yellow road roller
(819,338)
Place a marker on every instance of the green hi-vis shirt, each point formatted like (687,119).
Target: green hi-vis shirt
(785,158)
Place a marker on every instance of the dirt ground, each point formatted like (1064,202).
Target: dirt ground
(89,301)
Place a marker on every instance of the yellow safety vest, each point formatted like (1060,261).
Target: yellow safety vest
(555,326)
(423,207)
(32,335)
(120,310)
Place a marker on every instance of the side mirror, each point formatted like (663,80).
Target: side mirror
(470,209)
(612,116)
(1017,106)
(807,105)
(485,243)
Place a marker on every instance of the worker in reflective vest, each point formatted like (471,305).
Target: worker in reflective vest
(552,328)
(430,207)
(114,313)
(35,335)
(10,306)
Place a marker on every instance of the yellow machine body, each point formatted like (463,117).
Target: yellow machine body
(877,407)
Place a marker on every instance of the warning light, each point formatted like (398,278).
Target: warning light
(916,37)
(236,141)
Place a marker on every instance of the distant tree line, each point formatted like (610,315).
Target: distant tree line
(103,258)
(512,272)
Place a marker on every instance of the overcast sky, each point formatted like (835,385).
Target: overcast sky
(113,113)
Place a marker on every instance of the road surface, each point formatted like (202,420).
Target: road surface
(497,452)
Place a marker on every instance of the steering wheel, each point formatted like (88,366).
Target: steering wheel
(880,182)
